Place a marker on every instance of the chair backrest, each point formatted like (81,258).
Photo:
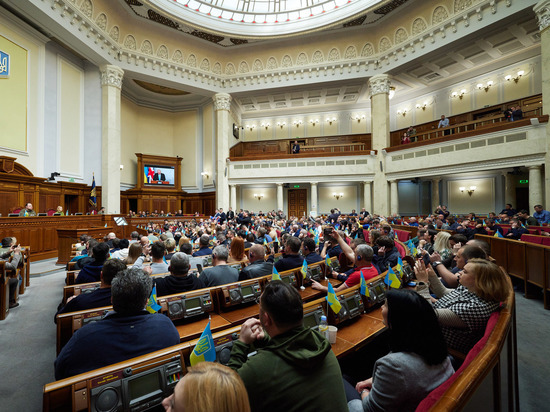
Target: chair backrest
(546,241)
(531,239)
(50,212)
(401,248)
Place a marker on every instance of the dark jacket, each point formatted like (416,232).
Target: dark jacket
(313,257)
(96,299)
(390,258)
(114,339)
(288,262)
(257,269)
(89,273)
(203,251)
(297,369)
(170,285)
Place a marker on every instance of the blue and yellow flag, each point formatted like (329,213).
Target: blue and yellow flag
(484,224)
(93,200)
(303,269)
(412,247)
(391,279)
(399,266)
(276,238)
(152,305)
(497,234)
(265,241)
(364,289)
(316,239)
(332,300)
(275,275)
(204,350)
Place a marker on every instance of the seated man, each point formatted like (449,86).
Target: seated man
(543,216)
(27,210)
(13,251)
(294,368)
(220,273)
(449,277)
(258,265)
(187,248)
(203,247)
(308,251)
(92,271)
(363,265)
(291,258)
(179,280)
(516,230)
(508,210)
(99,297)
(158,265)
(386,254)
(126,332)
(526,219)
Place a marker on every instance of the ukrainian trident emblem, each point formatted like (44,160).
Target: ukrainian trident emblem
(4,64)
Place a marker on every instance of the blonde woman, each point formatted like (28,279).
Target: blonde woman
(442,245)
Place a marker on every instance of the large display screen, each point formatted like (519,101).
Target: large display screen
(144,386)
(157,175)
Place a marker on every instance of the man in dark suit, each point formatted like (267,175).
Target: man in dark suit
(159,176)
(295,147)
(517,114)
(179,279)
(222,217)
(258,265)
(230,214)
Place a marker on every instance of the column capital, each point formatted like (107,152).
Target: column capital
(393,181)
(279,184)
(222,101)
(111,75)
(367,182)
(536,167)
(436,179)
(379,84)
(233,185)
(542,10)
(314,183)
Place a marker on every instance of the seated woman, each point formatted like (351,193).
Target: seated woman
(442,245)
(208,387)
(134,254)
(416,365)
(463,312)
(236,251)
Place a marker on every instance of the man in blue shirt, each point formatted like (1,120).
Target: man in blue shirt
(444,122)
(543,216)
(203,249)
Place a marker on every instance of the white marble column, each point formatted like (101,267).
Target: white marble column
(542,10)
(233,197)
(535,187)
(111,85)
(394,197)
(367,196)
(435,194)
(509,190)
(222,105)
(314,198)
(379,89)
(280,196)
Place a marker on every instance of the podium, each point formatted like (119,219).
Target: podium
(67,237)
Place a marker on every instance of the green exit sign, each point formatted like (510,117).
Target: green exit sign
(524,181)
(296,186)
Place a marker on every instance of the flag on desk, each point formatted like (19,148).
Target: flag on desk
(152,305)
(204,350)
(332,300)
(497,234)
(93,200)
(265,241)
(303,269)
(399,266)
(391,279)
(316,239)
(275,275)
(412,248)
(364,290)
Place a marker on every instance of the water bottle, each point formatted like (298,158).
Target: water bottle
(323,326)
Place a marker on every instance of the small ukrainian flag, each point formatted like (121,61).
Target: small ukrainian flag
(391,279)
(364,289)
(152,305)
(399,266)
(497,234)
(332,300)
(303,269)
(204,350)
(275,275)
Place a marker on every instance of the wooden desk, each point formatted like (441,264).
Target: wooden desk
(361,330)
(238,316)
(194,329)
(67,237)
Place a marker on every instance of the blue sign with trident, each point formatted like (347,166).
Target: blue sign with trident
(4,64)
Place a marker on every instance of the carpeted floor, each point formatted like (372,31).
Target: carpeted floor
(27,339)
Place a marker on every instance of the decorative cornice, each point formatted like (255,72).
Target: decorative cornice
(379,84)
(222,101)
(542,9)
(111,75)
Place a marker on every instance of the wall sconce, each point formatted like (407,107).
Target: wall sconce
(372,153)
(297,123)
(358,118)
(392,92)
(258,196)
(470,190)
(402,112)
(205,174)
(266,125)
(250,126)
(281,124)
(485,87)
(314,121)
(459,95)
(121,167)
(515,79)
(330,121)
(338,195)
(423,106)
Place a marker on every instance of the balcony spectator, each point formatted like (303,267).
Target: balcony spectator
(444,122)
(411,132)
(295,147)
(517,114)
(405,139)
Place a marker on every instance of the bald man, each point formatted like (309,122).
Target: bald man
(258,265)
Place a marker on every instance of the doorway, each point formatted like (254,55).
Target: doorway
(297,202)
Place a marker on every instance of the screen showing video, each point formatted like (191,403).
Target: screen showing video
(156,175)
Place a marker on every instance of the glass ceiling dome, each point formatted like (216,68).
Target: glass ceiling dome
(264,18)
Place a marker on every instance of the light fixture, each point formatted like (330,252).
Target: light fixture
(205,174)
(281,124)
(372,153)
(486,86)
(121,167)
(392,92)
(470,190)
(314,121)
(266,125)
(338,195)
(297,123)
(330,121)
(250,126)
(258,195)
(459,94)
(515,79)
(358,118)
(402,112)
(423,106)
